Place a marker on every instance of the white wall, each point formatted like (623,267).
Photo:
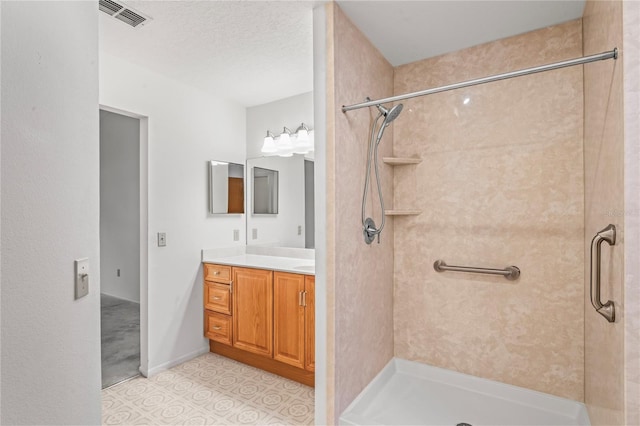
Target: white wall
(50,206)
(186,129)
(120,206)
(280,229)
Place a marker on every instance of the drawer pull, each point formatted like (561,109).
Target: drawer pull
(217,327)
(217,297)
(216,272)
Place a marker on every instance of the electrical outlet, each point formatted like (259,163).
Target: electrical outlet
(254,233)
(299,229)
(118,273)
(81,269)
(162,239)
(236,235)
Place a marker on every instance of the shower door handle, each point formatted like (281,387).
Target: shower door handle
(608,234)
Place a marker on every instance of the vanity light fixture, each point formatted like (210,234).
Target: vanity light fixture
(288,143)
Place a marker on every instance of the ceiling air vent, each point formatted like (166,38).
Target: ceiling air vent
(123,13)
(110,7)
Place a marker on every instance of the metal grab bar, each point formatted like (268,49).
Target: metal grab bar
(510,272)
(607,310)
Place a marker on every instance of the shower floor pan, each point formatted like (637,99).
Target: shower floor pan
(410,393)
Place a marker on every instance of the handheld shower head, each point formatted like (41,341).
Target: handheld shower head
(370,230)
(389,114)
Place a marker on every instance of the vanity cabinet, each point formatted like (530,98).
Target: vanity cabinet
(262,318)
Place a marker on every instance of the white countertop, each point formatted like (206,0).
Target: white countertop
(276,263)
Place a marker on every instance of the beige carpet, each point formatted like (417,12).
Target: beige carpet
(209,390)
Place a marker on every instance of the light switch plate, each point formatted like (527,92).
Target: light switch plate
(254,233)
(81,274)
(162,239)
(236,235)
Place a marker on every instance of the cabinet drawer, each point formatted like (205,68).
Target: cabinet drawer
(219,273)
(217,327)
(217,297)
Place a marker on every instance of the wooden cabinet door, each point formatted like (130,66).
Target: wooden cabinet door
(288,319)
(310,324)
(252,295)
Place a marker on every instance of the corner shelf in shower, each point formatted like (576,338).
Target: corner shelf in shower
(401,161)
(402,212)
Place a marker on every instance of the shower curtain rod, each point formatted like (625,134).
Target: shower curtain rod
(613,54)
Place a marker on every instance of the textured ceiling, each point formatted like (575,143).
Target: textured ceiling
(254,52)
(251,52)
(406,31)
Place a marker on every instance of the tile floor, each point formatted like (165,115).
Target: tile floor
(209,390)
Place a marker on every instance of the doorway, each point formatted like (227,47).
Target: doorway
(122,249)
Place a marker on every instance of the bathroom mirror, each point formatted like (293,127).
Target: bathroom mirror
(226,187)
(265,191)
(293,225)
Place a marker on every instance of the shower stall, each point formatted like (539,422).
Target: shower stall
(524,173)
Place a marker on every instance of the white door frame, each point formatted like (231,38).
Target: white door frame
(144,234)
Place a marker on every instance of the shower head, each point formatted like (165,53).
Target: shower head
(389,114)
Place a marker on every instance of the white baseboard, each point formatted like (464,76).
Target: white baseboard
(184,358)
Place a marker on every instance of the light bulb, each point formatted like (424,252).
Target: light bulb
(303,135)
(304,143)
(269,146)
(284,141)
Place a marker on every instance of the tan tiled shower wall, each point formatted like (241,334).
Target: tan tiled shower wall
(501,183)
(604,204)
(364,273)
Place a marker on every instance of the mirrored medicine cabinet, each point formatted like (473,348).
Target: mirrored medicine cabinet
(226,188)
